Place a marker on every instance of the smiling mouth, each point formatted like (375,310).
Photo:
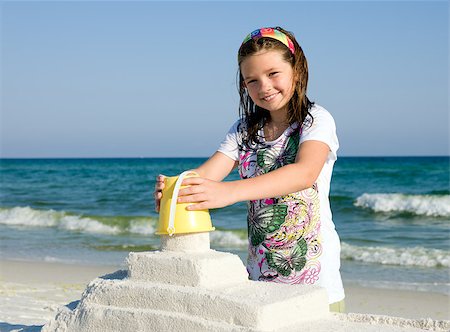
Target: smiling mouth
(270,97)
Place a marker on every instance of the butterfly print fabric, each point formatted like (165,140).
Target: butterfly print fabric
(284,232)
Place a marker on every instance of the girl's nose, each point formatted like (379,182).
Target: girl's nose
(265,85)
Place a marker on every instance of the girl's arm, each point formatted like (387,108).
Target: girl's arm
(300,175)
(216,168)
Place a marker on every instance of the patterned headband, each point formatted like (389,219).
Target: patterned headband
(271,33)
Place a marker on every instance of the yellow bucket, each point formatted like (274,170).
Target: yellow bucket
(173,217)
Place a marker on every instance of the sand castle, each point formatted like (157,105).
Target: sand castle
(186,286)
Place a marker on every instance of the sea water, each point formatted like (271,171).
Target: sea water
(392,215)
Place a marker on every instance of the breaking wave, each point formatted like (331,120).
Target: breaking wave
(112,225)
(228,239)
(29,217)
(425,205)
(414,256)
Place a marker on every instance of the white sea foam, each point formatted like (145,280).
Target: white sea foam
(227,239)
(428,205)
(414,256)
(139,226)
(26,216)
(52,259)
(76,223)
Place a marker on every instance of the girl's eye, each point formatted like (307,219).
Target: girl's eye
(273,73)
(251,81)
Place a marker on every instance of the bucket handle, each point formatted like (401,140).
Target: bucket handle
(173,204)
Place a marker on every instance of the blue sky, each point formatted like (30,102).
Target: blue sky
(158,79)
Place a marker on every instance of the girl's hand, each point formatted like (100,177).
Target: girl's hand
(206,194)
(157,194)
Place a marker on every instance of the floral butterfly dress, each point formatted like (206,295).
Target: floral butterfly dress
(284,241)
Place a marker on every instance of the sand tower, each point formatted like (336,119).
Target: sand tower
(186,286)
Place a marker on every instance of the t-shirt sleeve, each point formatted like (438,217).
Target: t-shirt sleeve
(322,129)
(230,144)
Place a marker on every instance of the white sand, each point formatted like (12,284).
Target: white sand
(394,302)
(30,293)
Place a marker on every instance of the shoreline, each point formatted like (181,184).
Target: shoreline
(31,292)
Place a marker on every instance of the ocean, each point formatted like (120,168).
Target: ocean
(391,213)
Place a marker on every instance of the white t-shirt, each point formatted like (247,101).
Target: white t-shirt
(292,238)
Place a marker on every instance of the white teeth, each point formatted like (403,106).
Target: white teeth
(268,98)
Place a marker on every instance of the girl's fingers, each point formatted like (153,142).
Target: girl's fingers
(192,186)
(160,179)
(190,190)
(195,198)
(194,191)
(192,181)
(159,186)
(157,196)
(198,206)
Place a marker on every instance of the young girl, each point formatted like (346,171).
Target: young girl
(284,147)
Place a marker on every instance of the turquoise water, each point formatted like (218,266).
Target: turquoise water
(392,214)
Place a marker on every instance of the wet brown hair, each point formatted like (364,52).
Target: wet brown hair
(254,117)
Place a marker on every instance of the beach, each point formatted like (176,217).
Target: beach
(31,293)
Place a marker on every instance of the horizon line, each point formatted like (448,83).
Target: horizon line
(203,157)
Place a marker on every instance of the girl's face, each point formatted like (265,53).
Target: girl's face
(269,80)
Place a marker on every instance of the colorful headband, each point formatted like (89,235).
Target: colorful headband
(271,33)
